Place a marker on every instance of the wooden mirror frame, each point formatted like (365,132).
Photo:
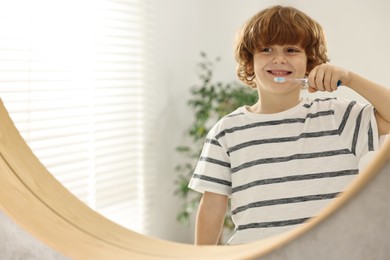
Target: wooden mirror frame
(37,202)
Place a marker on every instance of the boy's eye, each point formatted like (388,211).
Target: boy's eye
(266,49)
(292,50)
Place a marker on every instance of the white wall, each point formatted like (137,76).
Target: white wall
(358,39)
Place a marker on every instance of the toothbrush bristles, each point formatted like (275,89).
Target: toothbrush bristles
(280,79)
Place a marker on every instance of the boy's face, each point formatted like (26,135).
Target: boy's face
(287,61)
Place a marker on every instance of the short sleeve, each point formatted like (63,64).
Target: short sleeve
(212,172)
(357,126)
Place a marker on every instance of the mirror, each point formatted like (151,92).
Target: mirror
(35,200)
(184,28)
(347,35)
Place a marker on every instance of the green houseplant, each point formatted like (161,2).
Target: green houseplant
(210,101)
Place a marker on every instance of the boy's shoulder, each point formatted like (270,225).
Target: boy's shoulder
(229,120)
(233,116)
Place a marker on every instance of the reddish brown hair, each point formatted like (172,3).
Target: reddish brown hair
(278,25)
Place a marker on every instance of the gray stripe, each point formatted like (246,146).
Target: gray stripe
(212,179)
(214,161)
(295,178)
(370,138)
(346,116)
(356,132)
(266,203)
(258,124)
(273,123)
(273,224)
(282,139)
(212,141)
(317,100)
(289,158)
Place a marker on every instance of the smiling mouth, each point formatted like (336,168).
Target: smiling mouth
(279,73)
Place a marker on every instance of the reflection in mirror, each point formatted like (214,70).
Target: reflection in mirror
(101,99)
(284,158)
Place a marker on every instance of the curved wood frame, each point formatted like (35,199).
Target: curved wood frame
(36,201)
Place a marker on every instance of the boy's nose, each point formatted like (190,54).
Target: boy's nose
(279,58)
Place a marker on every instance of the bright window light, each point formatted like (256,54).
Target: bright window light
(72,75)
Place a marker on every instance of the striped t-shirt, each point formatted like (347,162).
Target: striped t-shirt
(281,169)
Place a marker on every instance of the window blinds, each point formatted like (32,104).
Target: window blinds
(72,75)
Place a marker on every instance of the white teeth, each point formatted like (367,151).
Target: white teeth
(282,73)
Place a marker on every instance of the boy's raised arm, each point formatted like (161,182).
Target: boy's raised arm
(324,78)
(378,96)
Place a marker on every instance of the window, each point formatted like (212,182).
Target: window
(72,76)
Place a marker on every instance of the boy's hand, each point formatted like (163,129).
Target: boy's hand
(324,78)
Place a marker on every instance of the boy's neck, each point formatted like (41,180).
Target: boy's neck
(274,104)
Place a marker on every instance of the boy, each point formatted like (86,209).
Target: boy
(281,160)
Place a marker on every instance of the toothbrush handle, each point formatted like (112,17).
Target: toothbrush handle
(306,82)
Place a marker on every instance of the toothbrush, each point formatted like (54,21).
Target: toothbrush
(304,81)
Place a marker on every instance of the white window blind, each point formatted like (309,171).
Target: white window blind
(72,75)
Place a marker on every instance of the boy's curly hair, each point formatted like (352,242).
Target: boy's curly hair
(278,25)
